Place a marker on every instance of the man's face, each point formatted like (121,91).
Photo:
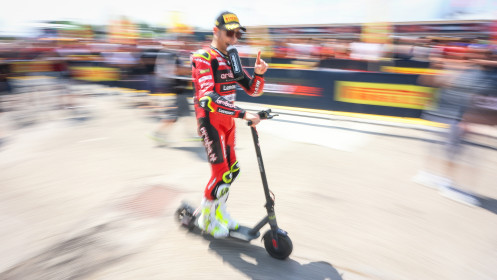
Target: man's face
(228,37)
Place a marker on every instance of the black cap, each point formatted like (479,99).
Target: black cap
(229,21)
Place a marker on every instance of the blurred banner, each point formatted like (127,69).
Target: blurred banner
(392,95)
(95,74)
(376,32)
(410,70)
(177,23)
(347,91)
(65,30)
(31,66)
(123,31)
(76,31)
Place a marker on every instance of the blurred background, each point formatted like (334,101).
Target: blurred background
(388,95)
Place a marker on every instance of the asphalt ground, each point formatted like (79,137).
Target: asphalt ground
(94,198)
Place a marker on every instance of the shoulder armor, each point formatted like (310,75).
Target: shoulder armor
(203,54)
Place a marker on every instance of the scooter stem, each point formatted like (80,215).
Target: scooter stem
(261,163)
(269,201)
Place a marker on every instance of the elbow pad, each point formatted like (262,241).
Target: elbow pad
(214,103)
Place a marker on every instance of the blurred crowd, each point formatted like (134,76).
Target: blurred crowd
(138,57)
(418,49)
(25,57)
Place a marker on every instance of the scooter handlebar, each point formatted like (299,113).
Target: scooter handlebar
(264,115)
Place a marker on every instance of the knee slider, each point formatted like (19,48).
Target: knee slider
(206,103)
(222,186)
(235,170)
(222,190)
(227,177)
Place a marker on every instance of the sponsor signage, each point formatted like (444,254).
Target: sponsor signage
(95,74)
(229,87)
(230,18)
(208,77)
(410,70)
(236,64)
(226,112)
(224,75)
(292,89)
(393,95)
(376,32)
(31,66)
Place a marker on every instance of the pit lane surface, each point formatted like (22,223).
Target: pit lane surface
(95,200)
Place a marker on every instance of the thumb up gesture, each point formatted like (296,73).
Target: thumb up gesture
(260,65)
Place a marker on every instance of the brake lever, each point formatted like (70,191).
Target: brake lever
(264,115)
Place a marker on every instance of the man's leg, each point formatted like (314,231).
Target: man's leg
(215,145)
(234,169)
(170,115)
(453,151)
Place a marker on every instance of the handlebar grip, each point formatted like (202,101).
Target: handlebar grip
(264,115)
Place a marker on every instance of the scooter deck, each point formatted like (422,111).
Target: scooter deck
(244,233)
(189,220)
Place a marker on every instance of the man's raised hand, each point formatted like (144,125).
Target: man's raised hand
(260,65)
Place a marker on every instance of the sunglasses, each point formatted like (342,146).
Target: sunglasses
(231,33)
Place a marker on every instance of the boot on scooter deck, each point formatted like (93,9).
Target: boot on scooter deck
(188,215)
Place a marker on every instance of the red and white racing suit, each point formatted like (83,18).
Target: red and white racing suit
(215,92)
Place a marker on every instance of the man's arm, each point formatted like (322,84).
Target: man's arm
(252,86)
(255,86)
(203,74)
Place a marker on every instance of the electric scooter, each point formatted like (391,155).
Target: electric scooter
(276,240)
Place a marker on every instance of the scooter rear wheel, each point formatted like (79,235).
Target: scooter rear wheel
(280,247)
(185,215)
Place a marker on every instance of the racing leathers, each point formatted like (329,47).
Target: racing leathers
(215,92)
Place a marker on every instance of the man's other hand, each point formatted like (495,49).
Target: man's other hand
(254,118)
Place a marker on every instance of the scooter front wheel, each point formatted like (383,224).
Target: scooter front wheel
(280,247)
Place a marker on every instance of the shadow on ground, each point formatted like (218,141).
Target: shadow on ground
(254,261)
(487,203)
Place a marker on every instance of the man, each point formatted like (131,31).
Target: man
(215,91)
(172,72)
(460,82)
